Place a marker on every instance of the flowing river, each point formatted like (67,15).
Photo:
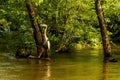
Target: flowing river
(79,65)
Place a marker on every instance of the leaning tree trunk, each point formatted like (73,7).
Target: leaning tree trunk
(36,29)
(102,24)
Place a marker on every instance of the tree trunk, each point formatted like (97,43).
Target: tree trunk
(36,29)
(102,24)
(63,46)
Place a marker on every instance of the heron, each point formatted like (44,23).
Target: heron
(46,42)
(46,45)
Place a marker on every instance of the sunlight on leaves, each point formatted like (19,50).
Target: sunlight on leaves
(37,2)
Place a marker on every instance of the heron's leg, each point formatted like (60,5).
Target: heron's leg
(42,51)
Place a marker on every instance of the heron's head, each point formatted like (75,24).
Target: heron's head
(43,25)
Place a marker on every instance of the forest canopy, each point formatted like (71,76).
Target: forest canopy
(70,22)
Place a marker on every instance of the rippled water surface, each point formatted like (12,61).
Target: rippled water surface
(81,65)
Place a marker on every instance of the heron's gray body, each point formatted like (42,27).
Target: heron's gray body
(46,42)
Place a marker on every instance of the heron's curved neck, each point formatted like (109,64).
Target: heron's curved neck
(45,31)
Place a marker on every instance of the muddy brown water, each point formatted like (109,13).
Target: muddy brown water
(79,65)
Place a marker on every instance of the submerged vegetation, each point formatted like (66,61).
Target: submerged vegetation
(70,23)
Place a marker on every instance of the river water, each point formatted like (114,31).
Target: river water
(79,65)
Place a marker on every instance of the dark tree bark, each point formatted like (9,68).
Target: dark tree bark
(102,24)
(36,30)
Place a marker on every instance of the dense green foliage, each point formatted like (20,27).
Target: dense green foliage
(69,21)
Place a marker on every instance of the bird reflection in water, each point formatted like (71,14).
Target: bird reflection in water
(42,70)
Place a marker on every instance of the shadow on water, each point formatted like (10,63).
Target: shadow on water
(81,65)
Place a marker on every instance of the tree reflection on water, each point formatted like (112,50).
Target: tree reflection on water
(82,66)
(106,68)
